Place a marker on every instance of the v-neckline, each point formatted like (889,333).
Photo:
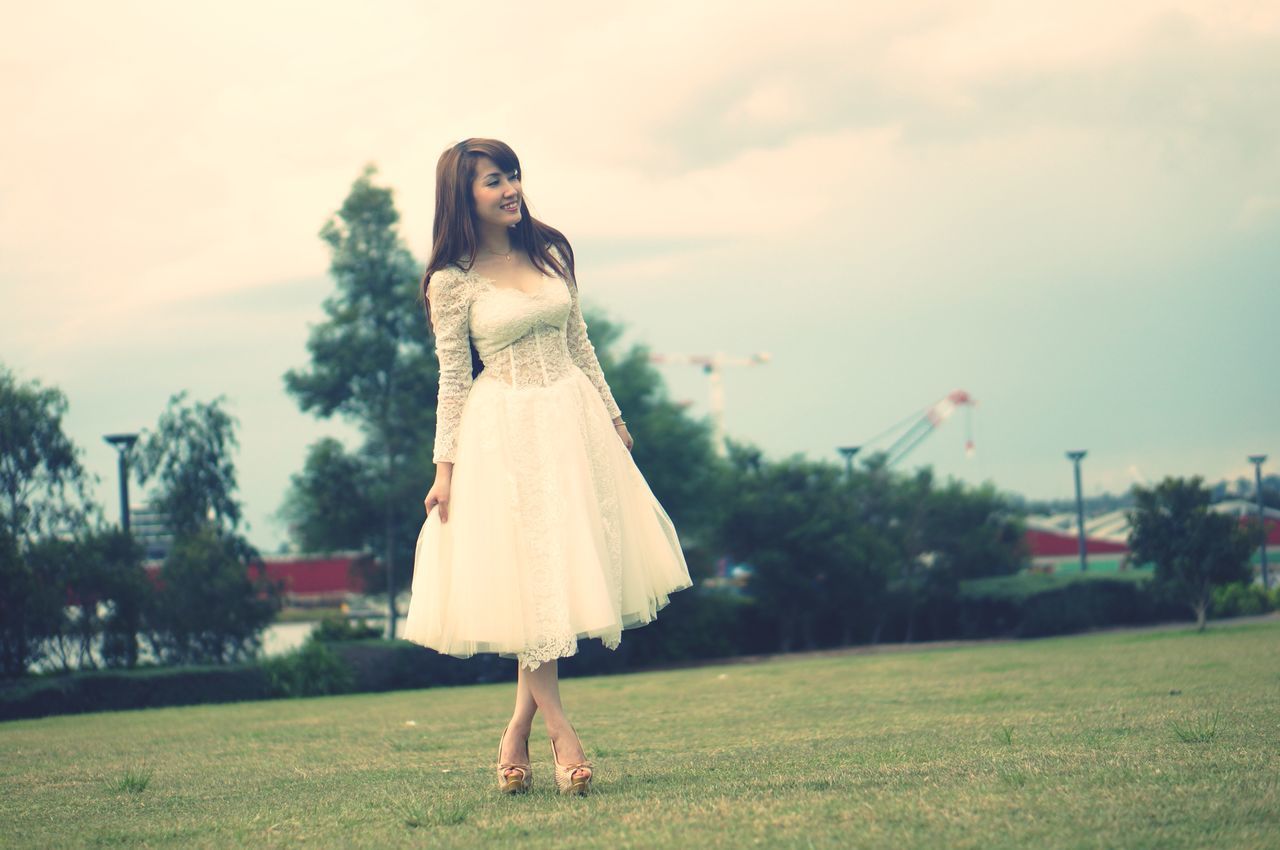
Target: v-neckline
(488,281)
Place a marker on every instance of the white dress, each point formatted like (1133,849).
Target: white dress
(553,534)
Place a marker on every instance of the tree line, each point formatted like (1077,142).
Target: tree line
(75,594)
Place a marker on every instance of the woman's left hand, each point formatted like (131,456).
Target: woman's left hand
(624,435)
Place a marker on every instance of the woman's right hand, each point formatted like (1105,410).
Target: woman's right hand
(439,495)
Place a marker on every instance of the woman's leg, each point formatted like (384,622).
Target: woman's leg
(544,685)
(513,746)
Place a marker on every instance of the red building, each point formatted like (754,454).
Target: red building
(309,581)
(1054,543)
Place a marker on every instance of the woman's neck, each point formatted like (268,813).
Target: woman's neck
(495,240)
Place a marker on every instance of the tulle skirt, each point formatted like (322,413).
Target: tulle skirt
(553,534)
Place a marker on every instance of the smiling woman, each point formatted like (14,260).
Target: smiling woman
(540,529)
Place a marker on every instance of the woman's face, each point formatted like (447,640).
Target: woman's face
(496,194)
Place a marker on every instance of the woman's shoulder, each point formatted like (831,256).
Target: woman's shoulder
(561,252)
(448,278)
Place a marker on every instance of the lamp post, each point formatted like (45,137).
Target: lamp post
(123,442)
(1257,461)
(1076,457)
(847,452)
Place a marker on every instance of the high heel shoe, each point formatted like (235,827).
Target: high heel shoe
(521,777)
(566,780)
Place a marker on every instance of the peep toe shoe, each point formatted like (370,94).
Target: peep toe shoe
(513,777)
(567,779)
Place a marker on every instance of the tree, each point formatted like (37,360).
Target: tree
(371,362)
(936,536)
(1192,547)
(29,609)
(327,507)
(46,538)
(122,584)
(209,607)
(43,486)
(794,522)
(100,576)
(920,578)
(189,456)
(975,531)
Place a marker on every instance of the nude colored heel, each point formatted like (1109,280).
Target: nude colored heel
(517,783)
(566,782)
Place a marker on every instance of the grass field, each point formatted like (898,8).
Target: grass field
(1148,739)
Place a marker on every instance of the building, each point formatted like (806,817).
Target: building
(309,581)
(1055,545)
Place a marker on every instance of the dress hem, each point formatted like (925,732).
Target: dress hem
(530,658)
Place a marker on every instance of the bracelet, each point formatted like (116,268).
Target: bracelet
(620,422)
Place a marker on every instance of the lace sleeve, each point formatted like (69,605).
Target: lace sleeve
(583,353)
(450,316)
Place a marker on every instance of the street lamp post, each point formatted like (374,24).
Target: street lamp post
(123,442)
(1076,457)
(848,452)
(1257,461)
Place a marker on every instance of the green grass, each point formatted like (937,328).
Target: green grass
(1155,739)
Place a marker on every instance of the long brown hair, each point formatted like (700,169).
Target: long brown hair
(453,234)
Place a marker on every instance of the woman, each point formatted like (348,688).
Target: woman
(540,529)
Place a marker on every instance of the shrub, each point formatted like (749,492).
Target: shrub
(1031,605)
(312,669)
(697,624)
(1240,599)
(386,665)
(114,690)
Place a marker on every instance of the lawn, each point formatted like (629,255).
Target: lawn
(1158,739)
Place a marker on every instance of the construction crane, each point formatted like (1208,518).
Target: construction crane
(711,365)
(921,426)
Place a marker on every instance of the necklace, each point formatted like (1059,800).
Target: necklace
(506,254)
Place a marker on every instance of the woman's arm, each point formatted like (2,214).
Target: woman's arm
(450,314)
(583,353)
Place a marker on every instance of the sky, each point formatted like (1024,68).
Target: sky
(1069,211)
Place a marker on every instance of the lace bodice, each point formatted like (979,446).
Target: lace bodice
(523,340)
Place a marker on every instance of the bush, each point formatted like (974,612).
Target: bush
(114,690)
(312,669)
(1032,605)
(1239,599)
(387,665)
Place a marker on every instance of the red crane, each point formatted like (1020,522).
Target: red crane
(922,424)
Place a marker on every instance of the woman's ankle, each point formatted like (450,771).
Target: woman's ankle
(557,726)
